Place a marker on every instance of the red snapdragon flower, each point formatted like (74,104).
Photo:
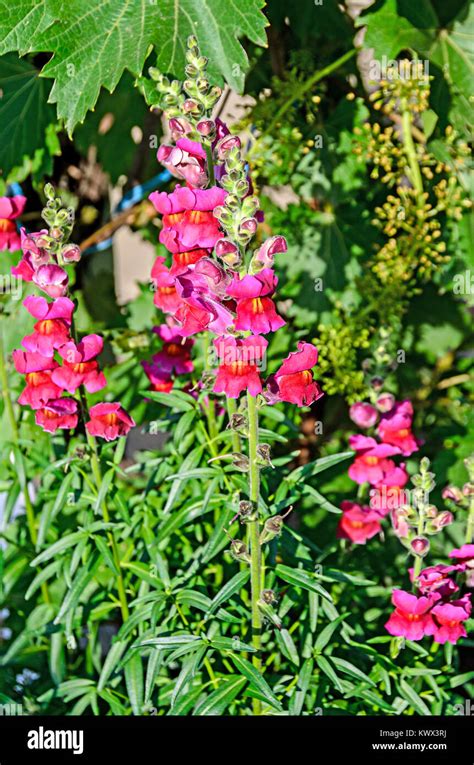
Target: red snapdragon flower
(40,388)
(80,367)
(294,382)
(188,221)
(109,420)
(255,308)
(395,428)
(412,617)
(166,298)
(357,523)
(175,355)
(51,330)
(240,360)
(58,413)
(10,209)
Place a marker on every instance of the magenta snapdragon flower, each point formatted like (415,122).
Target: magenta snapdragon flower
(10,209)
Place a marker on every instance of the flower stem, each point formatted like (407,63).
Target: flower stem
(410,150)
(30,513)
(97,473)
(210,165)
(470,522)
(255,549)
(418,558)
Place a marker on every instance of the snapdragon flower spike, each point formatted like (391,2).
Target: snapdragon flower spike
(58,413)
(358,523)
(109,421)
(79,367)
(51,331)
(240,359)
(412,617)
(395,428)
(294,382)
(10,209)
(255,308)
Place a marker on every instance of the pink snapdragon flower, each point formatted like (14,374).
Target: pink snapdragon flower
(109,421)
(294,382)
(10,209)
(412,617)
(240,360)
(395,428)
(436,579)
(52,279)
(58,413)
(357,523)
(255,308)
(449,620)
(371,464)
(265,255)
(51,330)
(186,160)
(464,555)
(363,415)
(183,198)
(80,367)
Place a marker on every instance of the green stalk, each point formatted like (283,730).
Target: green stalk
(304,87)
(210,165)
(97,473)
(410,149)
(470,522)
(254,534)
(418,558)
(30,513)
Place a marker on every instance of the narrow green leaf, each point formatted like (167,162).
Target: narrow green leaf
(257,680)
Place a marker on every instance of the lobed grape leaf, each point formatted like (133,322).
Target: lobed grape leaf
(92,45)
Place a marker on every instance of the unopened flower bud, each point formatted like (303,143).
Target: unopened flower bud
(363,415)
(443,519)
(190,106)
(226,144)
(376,383)
(468,489)
(268,596)
(248,226)
(385,402)
(228,252)
(206,128)
(420,546)
(71,253)
(431,511)
(452,493)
